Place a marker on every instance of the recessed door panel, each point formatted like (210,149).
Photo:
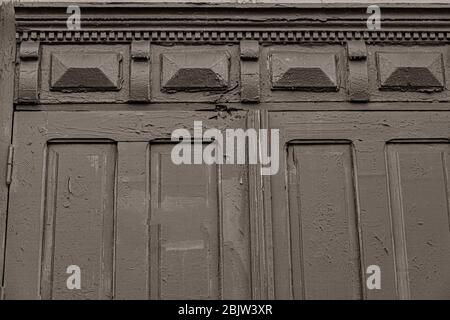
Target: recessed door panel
(323,222)
(419,186)
(184,228)
(79,216)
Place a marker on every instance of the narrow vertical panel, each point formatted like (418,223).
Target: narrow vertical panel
(256,212)
(323,223)
(236,232)
(185,229)
(7,64)
(79,220)
(375,219)
(260,216)
(132,267)
(25,221)
(419,185)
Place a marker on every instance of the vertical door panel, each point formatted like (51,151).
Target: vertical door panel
(324,237)
(419,184)
(185,228)
(7,70)
(79,215)
(131,255)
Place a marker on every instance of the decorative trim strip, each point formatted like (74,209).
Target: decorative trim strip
(275,36)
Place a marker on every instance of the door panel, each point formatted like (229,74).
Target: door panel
(348,181)
(132,231)
(184,252)
(418,176)
(324,237)
(354,189)
(93,191)
(78,217)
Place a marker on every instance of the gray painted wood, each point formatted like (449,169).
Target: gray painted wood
(420,196)
(131,255)
(368,134)
(185,257)
(225,231)
(7,64)
(159,254)
(261,222)
(323,229)
(78,220)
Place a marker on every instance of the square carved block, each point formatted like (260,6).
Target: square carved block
(85,71)
(304,71)
(406,71)
(195,71)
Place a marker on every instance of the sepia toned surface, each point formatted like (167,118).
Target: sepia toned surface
(364,123)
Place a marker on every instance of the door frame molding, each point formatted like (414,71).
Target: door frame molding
(7,65)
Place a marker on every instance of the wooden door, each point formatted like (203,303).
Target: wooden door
(363,180)
(361,189)
(98,190)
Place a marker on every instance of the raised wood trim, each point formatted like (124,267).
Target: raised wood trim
(260,221)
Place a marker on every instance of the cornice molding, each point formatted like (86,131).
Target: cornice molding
(124,22)
(208,36)
(250,53)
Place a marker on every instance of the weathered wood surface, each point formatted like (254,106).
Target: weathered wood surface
(325,249)
(290,53)
(179,231)
(78,220)
(364,153)
(368,208)
(7,63)
(419,182)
